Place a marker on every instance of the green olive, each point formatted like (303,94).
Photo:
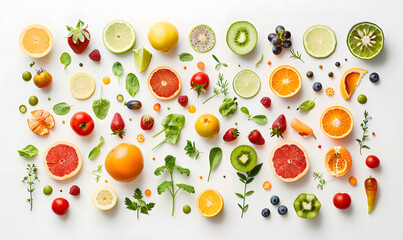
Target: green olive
(33,100)
(362,98)
(186,209)
(47,190)
(26,76)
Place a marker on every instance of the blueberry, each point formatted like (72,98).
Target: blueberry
(282,210)
(81,64)
(265,212)
(374,77)
(271,36)
(287,44)
(287,35)
(337,64)
(317,86)
(274,200)
(276,50)
(276,41)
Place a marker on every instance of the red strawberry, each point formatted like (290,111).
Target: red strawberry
(255,137)
(78,38)
(118,125)
(146,122)
(183,100)
(231,134)
(95,55)
(74,190)
(278,127)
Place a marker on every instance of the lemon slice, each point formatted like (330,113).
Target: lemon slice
(246,84)
(119,36)
(319,41)
(104,198)
(82,85)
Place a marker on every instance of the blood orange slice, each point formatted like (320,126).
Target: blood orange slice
(62,160)
(289,161)
(164,83)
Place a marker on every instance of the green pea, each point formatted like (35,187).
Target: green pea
(47,190)
(26,76)
(186,209)
(33,100)
(362,98)
(23,109)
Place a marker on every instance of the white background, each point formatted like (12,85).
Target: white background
(85,221)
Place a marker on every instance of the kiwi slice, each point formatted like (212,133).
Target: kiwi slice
(202,38)
(307,205)
(243,158)
(242,37)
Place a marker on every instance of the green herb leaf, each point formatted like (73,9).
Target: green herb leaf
(260,60)
(30,180)
(259,119)
(322,181)
(240,175)
(182,170)
(32,64)
(185,57)
(364,127)
(97,172)
(132,84)
(191,149)
(96,150)
(140,206)
(245,110)
(170,162)
(222,87)
(239,195)
(29,151)
(249,193)
(187,188)
(159,170)
(65,59)
(308,105)
(101,107)
(173,124)
(228,106)
(215,157)
(296,55)
(219,64)
(117,69)
(164,186)
(61,108)
(255,170)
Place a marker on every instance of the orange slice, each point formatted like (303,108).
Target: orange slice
(285,81)
(350,80)
(41,122)
(210,203)
(336,122)
(338,161)
(36,41)
(164,83)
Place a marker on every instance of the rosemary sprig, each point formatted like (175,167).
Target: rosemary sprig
(97,172)
(30,179)
(222,87)
(322,181)
(219,64)
(296,55)
(364,129)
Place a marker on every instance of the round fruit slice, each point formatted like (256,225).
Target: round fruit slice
(119,36)
(164,83)
(246,84)
(285,81)
(41,122)
(36,41)
(62,160)
(350,80)
(289,161)
(242,37)
(142,59)
(104,198)
(336,122)
(210,203)
(319,41)
(338,161)
(307,205)
(244,158)
(365,40)
(82,85)
(202,38)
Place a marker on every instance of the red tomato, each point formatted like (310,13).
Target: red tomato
(342,200)
(82,123)
(200,82)
(60,206)
(372,161)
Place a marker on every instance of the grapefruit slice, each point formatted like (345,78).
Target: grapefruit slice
(338,161)
(62,160)
(164,83)
(36,41)
(336,122)
(41,122)
(285,81)
(289,161)
(350,80)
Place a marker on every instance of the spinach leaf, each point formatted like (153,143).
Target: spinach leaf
(117,69)
(185,57)
(308,105)
(173,124)
(65,59)
(101,107)
(61,108)
(132,84)
(215,157)
(29,151)
(228,107)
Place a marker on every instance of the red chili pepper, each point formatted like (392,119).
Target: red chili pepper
(371,189)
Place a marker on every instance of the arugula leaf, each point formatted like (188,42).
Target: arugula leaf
(132,84)
(228,107)
(308,105)
(215,157)
(191,149)
(140,206)
(65,59)
(101,107)
(173,124)
(61,108)
(117,69)
(185,57)
(29,151)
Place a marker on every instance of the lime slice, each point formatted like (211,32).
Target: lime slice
(246,84)
(142,58)
(82,85)
(319,41)
(119,36)
(365,40)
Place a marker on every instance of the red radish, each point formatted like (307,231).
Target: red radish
(118,125)
(278,127)
(147,122)
(256,137)
(78,38)
(231,134)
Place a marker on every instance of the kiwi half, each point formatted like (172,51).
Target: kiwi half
(242,37)
(307,205)
(243,158)
(202,38)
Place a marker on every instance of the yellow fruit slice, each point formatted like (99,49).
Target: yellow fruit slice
(210,203)
(36,41)
(350,80)
(104,198)
(285,81)
(82,85)
(337,122)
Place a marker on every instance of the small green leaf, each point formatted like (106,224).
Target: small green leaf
(137,194)
(228,107)
(101,107)
(170,162)
(185,57)
(245,110)
(260,119)
(61,108)
(249,180)
(117,69)
(94,152)
(185,187)
(164,186)
(241,176)
(159,170)
(215,157)
(249,193)
(29,151)
(182,170)
(132,84)
(65,59)
(239,195)
(255,170)
(32,64)
(240,206)
(308,105)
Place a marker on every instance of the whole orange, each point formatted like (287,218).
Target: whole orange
(124,162)
(207,126)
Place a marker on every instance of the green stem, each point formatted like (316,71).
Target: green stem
(244,196)
(173,193)
(159,132)
(138,210)
(208,178)
(210,98)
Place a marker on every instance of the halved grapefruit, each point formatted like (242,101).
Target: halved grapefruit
(62,160)
(350,80)
(164,83)
(41,122)
(289,161)
(338,161)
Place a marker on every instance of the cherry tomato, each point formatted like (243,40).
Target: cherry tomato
(372,161)
(342,200)
(199,82)
(82,123)
(42,79)
(60,206)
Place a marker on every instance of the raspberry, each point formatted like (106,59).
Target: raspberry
(74,190)
(183,100)
(95,55)
(266,101)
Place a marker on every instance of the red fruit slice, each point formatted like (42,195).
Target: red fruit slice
(62,160)
(164,83)
(289,161)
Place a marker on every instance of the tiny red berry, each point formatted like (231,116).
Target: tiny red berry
(74,190)
(183,100)
(266,101)
(95,55)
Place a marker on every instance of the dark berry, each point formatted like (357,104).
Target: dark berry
(309,74)
(95,55)
(276,41)
(287,44)
(183,100)
(74,190)
(330,74)
(374,77)
(271,36)
(280,30)
(317,86)
(266,101)
(265,212)
(337,64)
(282,210)
(274,200)
(81,64)
(276,50)
(287,35)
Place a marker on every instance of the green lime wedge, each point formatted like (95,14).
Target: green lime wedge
(142,59)
(119,36)
(319,41)
(365,40)
(246,84)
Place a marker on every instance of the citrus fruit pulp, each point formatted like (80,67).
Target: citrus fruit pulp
(36,41)
(246,84)
(319,41)
(210,203)
(142,59)
(338,161)
(119,36)
(350,80)
(82,85)
(289,161)
(285,81)
(41,122)
(104,198)
(164,83)
(62,160)
(336,122)
(365,40)
(202,38)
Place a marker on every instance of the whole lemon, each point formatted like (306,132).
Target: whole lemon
(163,36)
(124,162)
(207,126)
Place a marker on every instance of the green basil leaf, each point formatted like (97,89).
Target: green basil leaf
(29,151)
(245,110)
(308,105)
(61,108)
(215,157)
(101,107)
(65,59)
(185,57)
(132,84)
(117,69)
(94,152)
(228,107)
(260,119)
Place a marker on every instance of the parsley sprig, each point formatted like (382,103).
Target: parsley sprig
(322,181)
(191,149)
(364,129)
(246,180)
(222,87)
(219,64)
(296,55)
(97,172)
(138,205)
(30,180)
